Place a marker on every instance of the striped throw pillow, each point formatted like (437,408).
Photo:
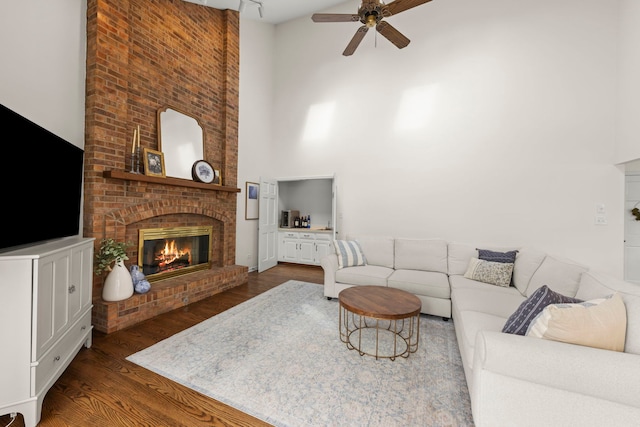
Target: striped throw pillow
(349,253)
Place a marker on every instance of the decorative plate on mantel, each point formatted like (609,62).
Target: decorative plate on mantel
(202,171)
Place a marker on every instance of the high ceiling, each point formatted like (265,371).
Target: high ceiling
(274,11)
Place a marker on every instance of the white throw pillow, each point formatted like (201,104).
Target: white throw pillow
(349,253)
(599,323)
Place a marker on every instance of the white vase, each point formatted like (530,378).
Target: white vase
(118,285)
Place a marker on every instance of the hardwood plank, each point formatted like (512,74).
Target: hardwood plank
(101,388)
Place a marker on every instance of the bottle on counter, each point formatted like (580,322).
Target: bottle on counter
(296,222)
(308,221)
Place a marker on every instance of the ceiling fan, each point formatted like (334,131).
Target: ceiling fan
(371,13)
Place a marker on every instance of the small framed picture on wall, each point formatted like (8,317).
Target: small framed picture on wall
(251,200)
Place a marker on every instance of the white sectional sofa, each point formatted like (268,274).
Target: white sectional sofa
(513,380)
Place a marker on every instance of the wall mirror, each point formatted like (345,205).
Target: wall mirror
(181,140)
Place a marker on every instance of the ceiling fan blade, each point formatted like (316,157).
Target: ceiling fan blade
(397,6)
(393,35)
(355,41)
(335,17)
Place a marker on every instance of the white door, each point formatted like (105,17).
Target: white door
(268,225)
(632,230)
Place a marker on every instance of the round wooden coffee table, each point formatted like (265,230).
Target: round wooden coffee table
(379,321)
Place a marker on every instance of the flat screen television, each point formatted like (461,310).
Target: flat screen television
(41,183)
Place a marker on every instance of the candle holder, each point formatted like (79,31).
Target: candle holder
(132,162)
(138,159)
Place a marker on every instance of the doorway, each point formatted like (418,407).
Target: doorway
(632,228)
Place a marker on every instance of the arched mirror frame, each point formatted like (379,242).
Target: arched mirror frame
(181,140)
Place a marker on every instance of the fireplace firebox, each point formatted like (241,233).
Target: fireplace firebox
(171,251)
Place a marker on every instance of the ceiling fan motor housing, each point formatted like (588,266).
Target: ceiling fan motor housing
(372,12)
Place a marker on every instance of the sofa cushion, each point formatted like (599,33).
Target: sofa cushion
(508,257)
(377,250)
(560,275)
(349,253)
(364,275)
(426,283)
(421,254)
(484,298)
(458,281)
(599,323)
(459,255)
(597,285)
(527,263)
(496,273)
(518,323)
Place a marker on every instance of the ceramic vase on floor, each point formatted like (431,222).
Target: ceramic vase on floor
(118,285)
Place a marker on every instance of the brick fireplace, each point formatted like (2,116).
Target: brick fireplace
(144,55)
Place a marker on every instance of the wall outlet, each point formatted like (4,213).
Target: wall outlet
(601,220)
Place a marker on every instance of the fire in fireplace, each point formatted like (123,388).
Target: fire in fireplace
(170,251)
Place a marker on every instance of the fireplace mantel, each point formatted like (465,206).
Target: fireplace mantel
(179,182)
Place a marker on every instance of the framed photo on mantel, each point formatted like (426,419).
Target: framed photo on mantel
(153,163)
(251,200)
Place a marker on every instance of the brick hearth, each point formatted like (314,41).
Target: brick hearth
(165,295)
(143,56)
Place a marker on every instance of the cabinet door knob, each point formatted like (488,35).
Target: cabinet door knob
(72,289)
(57,358)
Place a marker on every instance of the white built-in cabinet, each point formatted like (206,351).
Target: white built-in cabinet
(45,319)
(304,246)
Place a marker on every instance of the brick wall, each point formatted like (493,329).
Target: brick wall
(144,55)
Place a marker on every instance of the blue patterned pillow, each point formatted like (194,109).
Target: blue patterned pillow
(493,256)
(349,253)
(519,321)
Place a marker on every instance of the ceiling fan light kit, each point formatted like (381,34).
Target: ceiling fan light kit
(371,13)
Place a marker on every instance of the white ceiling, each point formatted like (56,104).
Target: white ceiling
(274,11)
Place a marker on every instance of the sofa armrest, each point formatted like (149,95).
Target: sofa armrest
(329,264)
(552,382)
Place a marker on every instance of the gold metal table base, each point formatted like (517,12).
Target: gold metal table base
(380,338)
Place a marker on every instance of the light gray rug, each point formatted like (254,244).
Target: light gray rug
(279,358)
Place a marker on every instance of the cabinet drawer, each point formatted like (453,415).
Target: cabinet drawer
(290,235)
(46,370)
(323,236)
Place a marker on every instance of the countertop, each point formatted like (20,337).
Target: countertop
(307,230)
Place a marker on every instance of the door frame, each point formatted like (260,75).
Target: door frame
(268,227)
(626,209)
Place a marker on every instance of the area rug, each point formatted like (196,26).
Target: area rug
(278,357)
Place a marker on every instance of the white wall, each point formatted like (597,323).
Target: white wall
(515,102)
(255,126)
(629,83)
(506,133)
(43,51)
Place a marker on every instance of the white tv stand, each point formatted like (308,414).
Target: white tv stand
(45,319)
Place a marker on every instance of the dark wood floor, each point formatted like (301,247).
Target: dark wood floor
(101,388)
